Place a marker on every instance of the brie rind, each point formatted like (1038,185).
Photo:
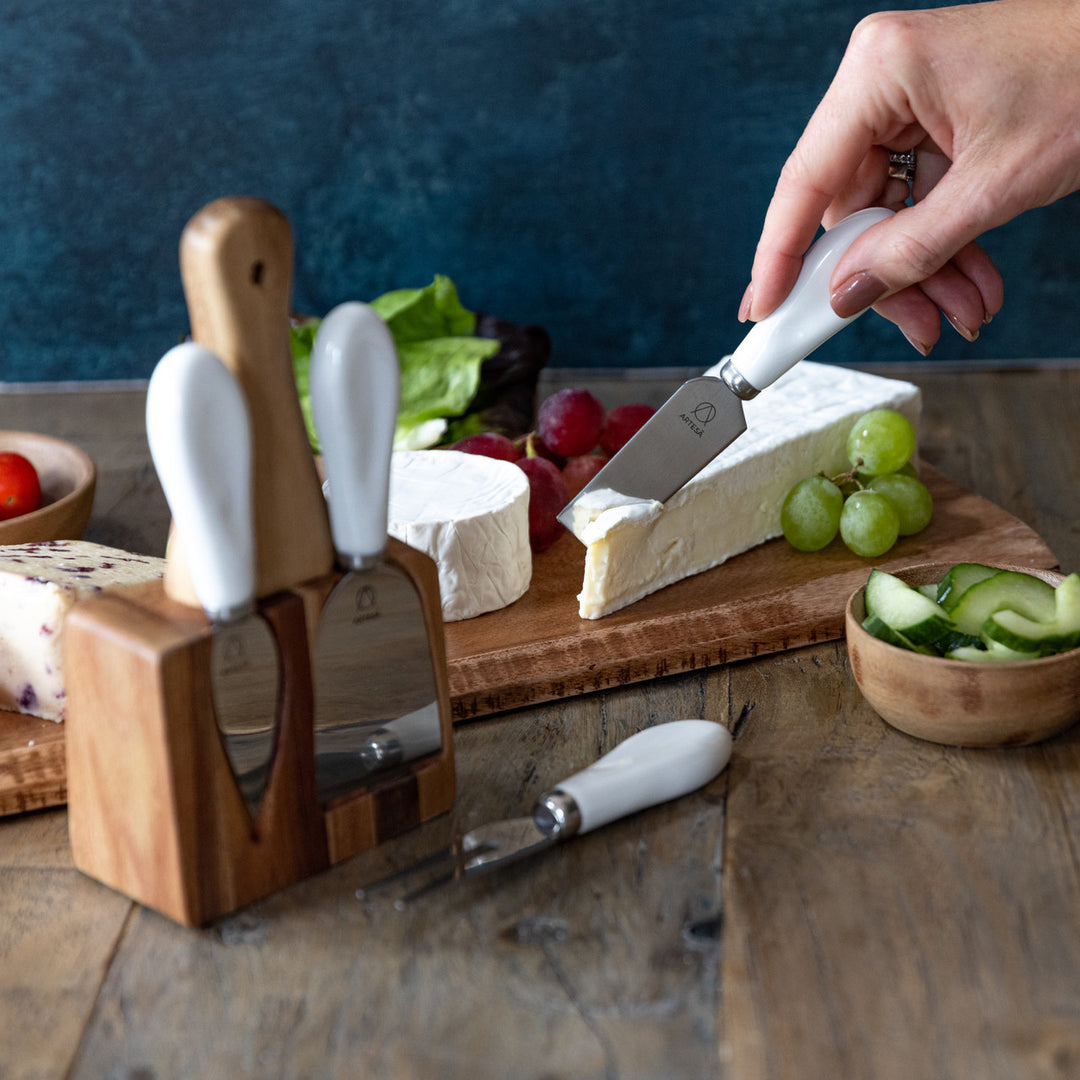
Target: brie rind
(471,515)
(795,428)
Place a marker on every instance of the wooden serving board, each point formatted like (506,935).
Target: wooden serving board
(767,600)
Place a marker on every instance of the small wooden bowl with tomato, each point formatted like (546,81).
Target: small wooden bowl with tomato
(66,477)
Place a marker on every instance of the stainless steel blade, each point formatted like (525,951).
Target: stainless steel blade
(699,420)
(245,683)
(376,702)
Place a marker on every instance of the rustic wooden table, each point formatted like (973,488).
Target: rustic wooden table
(843,902)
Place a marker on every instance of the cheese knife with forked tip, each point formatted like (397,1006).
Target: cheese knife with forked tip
(655,765)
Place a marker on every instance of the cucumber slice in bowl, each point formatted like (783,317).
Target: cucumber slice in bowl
(1010,590)
(959,579)
(1056,633)
(913,615)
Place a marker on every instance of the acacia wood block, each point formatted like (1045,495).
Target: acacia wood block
(154,810)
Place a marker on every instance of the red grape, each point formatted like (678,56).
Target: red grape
(547,496)
(570,422)
(578,471)
(623,422)
(488,444)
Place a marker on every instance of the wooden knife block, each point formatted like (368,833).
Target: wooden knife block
(154,810)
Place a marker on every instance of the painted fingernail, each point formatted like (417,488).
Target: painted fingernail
(856,294)
(747,300)
(961,329)
(918,346)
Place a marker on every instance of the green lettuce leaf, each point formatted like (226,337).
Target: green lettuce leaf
(438,355)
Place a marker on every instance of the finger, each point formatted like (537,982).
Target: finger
(869,186)
(958,298)
(977,266)
(916,315)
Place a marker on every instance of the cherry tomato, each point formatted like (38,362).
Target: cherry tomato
(20,489)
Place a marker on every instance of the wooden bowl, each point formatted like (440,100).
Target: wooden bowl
(68,478)
(960,702)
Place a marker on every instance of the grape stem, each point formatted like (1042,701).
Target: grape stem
(849,477)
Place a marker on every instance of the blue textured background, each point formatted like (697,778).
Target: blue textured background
(597,166)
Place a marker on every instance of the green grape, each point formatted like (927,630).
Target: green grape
(907,469)
(910,497)
(869,524)
(810,515)
(881,442)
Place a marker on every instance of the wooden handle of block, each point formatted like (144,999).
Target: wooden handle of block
(236,265)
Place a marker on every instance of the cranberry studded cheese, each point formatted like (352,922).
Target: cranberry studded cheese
(39,584)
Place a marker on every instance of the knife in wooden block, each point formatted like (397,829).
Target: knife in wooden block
(705,415)
(199,432)
(651,767)
(376,702)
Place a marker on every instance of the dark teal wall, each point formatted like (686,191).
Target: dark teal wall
(598,166)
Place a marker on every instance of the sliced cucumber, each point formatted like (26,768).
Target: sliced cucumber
(1007,590)
(873,625)
(908,612)
(929,590)
(992,653)
(959,579)
(1059,633)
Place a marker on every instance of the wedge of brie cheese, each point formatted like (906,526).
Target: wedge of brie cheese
(39,583)
(471,515)
(796,428)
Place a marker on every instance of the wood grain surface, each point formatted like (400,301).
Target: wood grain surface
(843,903)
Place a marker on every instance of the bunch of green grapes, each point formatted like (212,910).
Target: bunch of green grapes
(880,499)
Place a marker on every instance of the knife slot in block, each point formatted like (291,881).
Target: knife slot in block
(392,802)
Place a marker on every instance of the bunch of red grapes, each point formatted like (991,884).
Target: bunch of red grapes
(574,437)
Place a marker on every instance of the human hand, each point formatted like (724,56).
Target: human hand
(989,95)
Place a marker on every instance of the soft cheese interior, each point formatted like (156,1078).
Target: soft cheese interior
(795,428)
(471,515)
(39,583)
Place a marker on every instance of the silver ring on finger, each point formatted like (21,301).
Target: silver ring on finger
(902,165)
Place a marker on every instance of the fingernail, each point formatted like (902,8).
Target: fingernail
(747,300)
(987,319)
(961,329)
(856,294)
(918,346)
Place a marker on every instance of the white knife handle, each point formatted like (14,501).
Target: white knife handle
(354,404)
(199,430)
(655,765)
(805,319)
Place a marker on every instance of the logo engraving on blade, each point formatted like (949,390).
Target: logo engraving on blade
(699,416)
(365,605)
(232,656)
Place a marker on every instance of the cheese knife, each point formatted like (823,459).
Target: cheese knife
(705,415)
(199,431)
(655,765)
(376,700)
